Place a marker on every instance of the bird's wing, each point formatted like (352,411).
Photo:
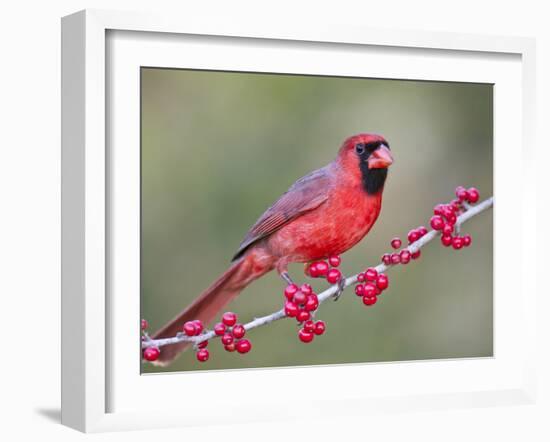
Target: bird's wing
(304,195)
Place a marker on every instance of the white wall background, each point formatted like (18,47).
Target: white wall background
(30,219)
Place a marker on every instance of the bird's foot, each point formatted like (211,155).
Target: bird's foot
(341,287)
(287,278)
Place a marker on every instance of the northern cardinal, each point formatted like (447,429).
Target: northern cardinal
(324,213)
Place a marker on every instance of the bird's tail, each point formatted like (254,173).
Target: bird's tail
(241,273)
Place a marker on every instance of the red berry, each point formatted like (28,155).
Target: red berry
(303,315)
(322,268)
(451,219)
(461,193)
(290,291)
(309,326)
(312,303)
(319,268)
(219,329)
(371,274)
(437,222)
(151,354)
(405,256)
(333,276)
(448,229)
(359,289)
(203,344)
(447,211)
(243,346)
(291,309)
(446,240)
(312,270)
(369,291)
(361,277)
(229,319)
(395,259)
(467,240)
(395,243)
(457,243)
(306,289)
(203,355)
(227,339)
(320,328)
(299,298)
(386,259)
(413,235)
(229,347)
(438,209)
(239,331)
(334,260)
(305,336)
(199,326)
(473,195)
(369,301)
(144,324)
(190,328)
(415,255)
(382,281)
(422,231)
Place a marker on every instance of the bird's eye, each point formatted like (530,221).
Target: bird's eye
(360,148)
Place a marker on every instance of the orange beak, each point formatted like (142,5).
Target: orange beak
(380,158)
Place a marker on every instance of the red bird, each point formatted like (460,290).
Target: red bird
(324,213)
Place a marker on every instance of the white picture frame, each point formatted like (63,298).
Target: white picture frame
(87,205)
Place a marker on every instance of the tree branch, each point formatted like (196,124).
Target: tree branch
(472,210)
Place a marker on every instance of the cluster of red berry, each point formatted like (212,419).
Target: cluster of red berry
(326,269)
(300,303)
(444,220)
(195,328)
(150,353)
(232,334)
(445,216)
(370,285)
(404,256)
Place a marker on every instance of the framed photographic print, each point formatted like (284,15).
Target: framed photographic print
(253,210)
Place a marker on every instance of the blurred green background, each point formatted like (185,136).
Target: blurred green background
(218,148)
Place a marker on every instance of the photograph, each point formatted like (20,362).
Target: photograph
(211,207)
(292,220)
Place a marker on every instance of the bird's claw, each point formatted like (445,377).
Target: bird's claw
(341,287)
(287,278)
